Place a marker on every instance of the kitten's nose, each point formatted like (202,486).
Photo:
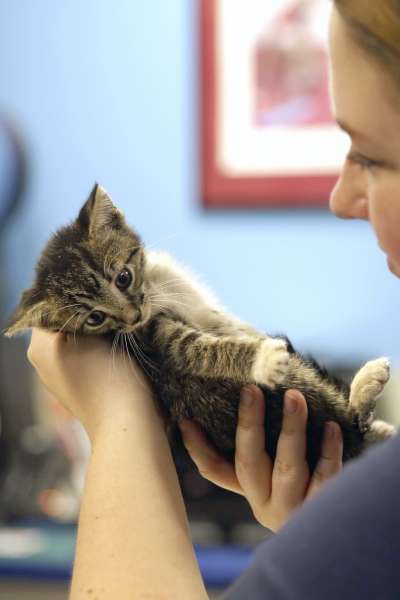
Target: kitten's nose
(130,315)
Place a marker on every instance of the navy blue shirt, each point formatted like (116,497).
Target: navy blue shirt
(344,544)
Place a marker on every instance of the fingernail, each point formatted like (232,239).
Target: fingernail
(291,404)
(246,398)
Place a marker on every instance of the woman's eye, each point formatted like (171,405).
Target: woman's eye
(124,279)
(96,318)
(363,161)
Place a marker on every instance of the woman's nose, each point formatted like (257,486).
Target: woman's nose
(348,201)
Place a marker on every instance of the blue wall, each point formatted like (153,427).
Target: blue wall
(107,91)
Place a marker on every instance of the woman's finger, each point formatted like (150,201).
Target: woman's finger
(252,464)
(330,461)
(211,465)
(290,474)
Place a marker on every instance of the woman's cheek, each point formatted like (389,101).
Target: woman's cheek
(384,215)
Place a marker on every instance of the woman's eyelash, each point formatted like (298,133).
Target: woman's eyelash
(363,161)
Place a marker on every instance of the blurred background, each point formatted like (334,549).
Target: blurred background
(109,92)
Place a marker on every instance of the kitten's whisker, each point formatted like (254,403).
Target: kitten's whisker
(138,357)
(173,301)
(114,349)
(137,375)
(170,294)
(166,292)
(68,320)
(76,327)
(69,306)
(111,356)
(135,345)
(161,242)
(151,364)
(54,312)
(117,346)
(124,347)
(169,301)
(141,356)
(169,282)
(131,359)
(127,351)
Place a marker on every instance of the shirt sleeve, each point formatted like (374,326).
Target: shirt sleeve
(344,544)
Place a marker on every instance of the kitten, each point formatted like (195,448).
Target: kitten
(95,277)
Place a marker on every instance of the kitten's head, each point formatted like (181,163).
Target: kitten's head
(89,278)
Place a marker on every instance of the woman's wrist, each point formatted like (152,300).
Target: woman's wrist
(123,413)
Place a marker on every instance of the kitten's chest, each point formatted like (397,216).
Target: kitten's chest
(187,305)
(174,290)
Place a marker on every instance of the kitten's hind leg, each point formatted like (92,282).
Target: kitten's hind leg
(367,384)
(379,431)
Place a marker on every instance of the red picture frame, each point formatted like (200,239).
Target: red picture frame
(223,188)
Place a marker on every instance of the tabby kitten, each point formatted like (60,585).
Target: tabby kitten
(95,277)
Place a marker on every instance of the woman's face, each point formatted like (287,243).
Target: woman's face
(364,100)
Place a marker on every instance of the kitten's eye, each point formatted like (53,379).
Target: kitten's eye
(96,318)
(123,280)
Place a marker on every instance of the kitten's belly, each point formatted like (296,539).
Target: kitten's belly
(213,403)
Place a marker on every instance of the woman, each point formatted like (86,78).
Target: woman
(133,539)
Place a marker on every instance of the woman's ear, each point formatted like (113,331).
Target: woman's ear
(99,214)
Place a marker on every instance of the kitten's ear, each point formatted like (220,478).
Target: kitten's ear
(31,312)
(99,213)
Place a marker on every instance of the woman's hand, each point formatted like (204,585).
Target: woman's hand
(82,373)
(273,490)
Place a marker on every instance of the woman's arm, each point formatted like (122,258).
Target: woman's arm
(133,538)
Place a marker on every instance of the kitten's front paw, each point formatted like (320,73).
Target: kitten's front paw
(271,362)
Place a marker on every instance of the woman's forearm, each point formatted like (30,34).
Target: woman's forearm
(133,539)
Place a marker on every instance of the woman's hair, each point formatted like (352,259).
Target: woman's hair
(375,26)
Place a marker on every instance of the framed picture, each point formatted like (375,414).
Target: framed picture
(268,136)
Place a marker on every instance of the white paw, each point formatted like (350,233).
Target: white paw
(369,382)
(271,362)
(380,430)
